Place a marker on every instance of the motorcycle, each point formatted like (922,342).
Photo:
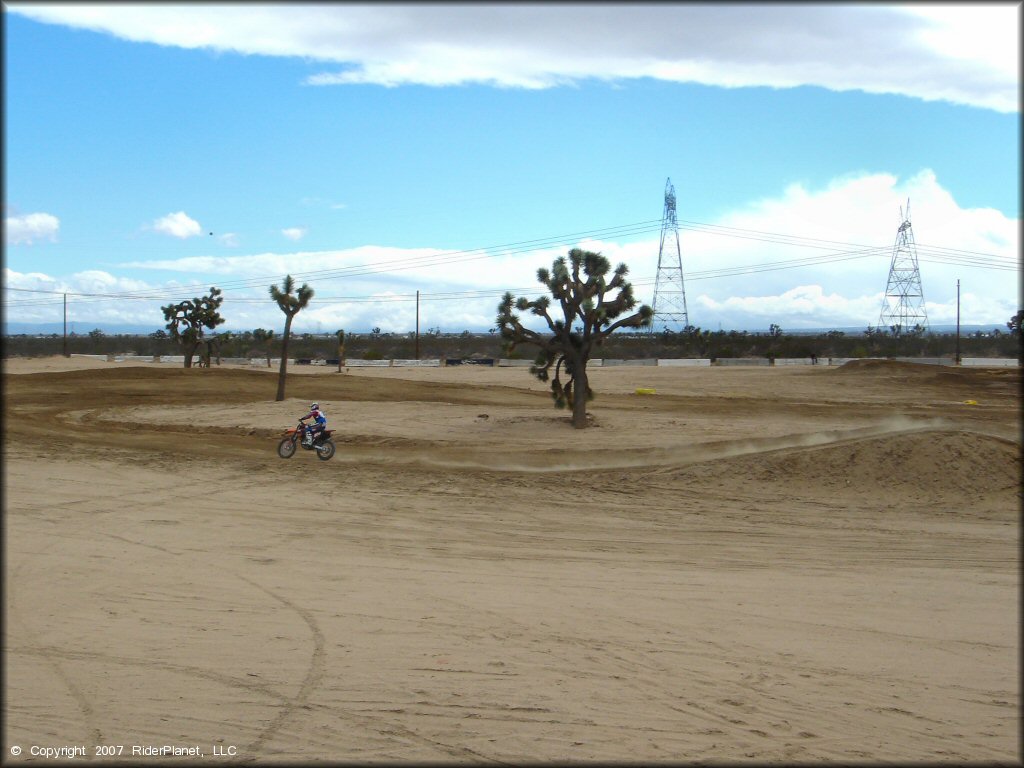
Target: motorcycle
(296,436)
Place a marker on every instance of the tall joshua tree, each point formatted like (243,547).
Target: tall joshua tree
(589,308)
(291,304)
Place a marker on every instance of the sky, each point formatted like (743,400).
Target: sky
(374,151)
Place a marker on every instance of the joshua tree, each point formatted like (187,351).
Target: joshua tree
(340,333)
(187,319)
(291,304)
(585,298)
(263,336)
(1015,330)
(1015,322)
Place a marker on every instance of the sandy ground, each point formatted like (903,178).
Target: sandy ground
(750,565)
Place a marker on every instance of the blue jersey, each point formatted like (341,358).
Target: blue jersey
(317,416)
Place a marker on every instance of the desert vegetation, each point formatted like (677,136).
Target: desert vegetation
(626,345)
(588,309)
(188,321)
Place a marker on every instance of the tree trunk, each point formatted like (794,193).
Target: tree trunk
(579,395)
(284,358)
(189,353)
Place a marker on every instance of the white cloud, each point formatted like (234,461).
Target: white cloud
(369,286)
(294,233)
(36,281)
(967,54)
(45,301)
(100,281)
(229,240)
(177,225)
(31,227)
(804,306)
(857,215)
(965,32)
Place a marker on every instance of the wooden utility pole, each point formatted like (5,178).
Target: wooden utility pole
(958,322)
(417,325)
(66,325)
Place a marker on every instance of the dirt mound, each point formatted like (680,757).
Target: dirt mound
(999,380)
(931,370)
(879,366)
(174,385)
(917,372)
(923,465)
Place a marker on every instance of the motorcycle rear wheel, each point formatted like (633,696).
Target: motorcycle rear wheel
(325,450)
(286,448)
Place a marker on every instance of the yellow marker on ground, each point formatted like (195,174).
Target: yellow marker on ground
(970,402)
(645,391)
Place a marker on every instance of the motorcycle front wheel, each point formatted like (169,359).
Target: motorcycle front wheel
(325,450)
(286,448)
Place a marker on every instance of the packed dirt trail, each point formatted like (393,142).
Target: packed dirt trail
(804,564)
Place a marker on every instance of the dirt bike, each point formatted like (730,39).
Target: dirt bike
(296,436)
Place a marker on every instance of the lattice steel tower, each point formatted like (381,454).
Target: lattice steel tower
(903,304)
(669,292)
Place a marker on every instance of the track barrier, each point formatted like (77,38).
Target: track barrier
(275,362)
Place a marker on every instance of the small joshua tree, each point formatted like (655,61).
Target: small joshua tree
(1015,323)
(263,336)
(586,299)
(340,333)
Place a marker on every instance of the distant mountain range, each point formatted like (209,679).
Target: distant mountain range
(78,327)
(82,329)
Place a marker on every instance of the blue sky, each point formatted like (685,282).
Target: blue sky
(152,150)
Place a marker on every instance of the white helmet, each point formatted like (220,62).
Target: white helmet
(315,407)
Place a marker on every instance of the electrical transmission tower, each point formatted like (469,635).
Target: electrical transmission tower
(903,305)
(669,292)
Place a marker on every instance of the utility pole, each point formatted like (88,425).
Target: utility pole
(417,325)
(66,325)
(958,322)
(669,303)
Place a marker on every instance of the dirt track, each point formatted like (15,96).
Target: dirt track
(803,564)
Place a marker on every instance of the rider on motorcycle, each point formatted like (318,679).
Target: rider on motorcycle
(319,423)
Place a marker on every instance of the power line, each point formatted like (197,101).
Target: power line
(482,293)
(934,254)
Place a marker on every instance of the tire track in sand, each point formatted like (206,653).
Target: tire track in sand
(51,654)
(313,678)
(83,702)
(314,673)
